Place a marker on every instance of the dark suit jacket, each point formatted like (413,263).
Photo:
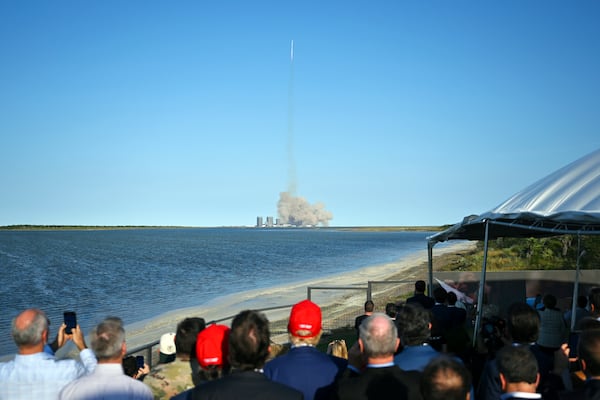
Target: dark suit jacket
(590,391)
(426,301)
(245,385)
(380,383)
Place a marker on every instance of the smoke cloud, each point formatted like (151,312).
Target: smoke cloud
(293,210)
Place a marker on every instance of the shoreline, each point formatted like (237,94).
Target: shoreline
(334,304)
(411,267)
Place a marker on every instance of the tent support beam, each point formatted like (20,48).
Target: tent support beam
(430,265)
(481,292)
(580,253)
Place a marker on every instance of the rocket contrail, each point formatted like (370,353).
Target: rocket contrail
(291,209)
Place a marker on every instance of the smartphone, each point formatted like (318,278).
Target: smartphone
(70,320)
(573,343)
(140,361)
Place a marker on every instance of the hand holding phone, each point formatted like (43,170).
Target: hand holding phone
(70,319)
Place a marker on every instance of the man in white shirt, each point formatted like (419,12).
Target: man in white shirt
(108,379)
(35,374)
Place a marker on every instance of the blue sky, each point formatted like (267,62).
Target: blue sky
(178,112)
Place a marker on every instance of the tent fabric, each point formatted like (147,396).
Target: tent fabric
(564,202)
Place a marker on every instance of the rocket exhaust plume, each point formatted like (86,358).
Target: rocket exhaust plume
(291,209)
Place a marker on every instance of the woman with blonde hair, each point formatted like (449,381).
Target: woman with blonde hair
(338,348)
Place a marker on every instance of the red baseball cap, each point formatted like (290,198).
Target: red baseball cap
(305,319)
(212,345)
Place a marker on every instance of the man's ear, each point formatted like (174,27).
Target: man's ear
(123,349)
(361,345)
(397,344)
(429,326)
(45,336)
(583,364)
(502,381)
(537,380)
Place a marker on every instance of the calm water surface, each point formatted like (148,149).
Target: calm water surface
(138,274)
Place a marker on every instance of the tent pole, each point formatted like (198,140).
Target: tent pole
(481,285)
(580,254)
(430,265)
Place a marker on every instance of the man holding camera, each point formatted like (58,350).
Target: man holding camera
(34,373)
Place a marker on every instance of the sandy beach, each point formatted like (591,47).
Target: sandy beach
(333,302)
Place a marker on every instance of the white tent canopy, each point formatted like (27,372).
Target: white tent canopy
(564,202)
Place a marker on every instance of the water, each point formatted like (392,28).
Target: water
(139,274)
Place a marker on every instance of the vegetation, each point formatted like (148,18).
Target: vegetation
(512,254)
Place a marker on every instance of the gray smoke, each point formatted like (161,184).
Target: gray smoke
(297,211)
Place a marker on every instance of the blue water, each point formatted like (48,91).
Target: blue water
(135,274)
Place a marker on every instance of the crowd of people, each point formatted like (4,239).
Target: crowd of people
(418,350)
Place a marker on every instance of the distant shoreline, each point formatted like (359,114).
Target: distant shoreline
(124,227)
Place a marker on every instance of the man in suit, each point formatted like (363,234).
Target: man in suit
(304,367)
(523,327)
(414,327)
(420,296)
(380,378)
(369,308)
(518,371)
(249,341)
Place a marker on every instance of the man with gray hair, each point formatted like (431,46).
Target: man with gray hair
(108,379)
(381,379)
(35,374)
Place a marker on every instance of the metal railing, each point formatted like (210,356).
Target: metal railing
(279,325)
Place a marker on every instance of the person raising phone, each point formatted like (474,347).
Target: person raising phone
(34,373)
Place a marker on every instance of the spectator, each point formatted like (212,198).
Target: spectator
(445,378)
(391,310)
(369,308)
(338,348)
(594,302)
(166,351)
(420,297)
(580,311)
(35,374)
(518,372)
(378,340)
(132,369)
(523,327)
(304,367)
(249,341)
(577,375)
(167,380)
(108,381)
(589,357)
(440,320)
(414,327)
(457,338)
(212,352)
(553,330)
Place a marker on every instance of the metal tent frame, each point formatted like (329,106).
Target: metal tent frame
(566,202)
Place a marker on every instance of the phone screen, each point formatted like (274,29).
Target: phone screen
(70,321)
(573,343)
(140,361)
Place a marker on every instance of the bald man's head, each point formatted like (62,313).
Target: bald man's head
(30,328)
